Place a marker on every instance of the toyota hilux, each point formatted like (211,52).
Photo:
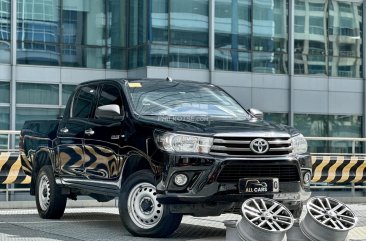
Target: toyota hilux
(164,148)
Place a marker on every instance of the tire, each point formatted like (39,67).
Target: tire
(50,202)
(147,217)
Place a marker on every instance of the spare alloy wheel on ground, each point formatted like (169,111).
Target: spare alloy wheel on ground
(264,220)
(327,219)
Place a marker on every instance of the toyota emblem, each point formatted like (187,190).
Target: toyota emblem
(259,146)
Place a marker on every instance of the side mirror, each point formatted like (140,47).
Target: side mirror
(108,112)
(256,113)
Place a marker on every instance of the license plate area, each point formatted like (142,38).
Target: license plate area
(259,185)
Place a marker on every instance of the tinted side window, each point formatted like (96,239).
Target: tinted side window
(110,95)
(84,101)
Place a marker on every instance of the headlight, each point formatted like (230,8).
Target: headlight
(172,142)
(299,144)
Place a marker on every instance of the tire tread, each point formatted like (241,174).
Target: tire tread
(169,222)
(57,200)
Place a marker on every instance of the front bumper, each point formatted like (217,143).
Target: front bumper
(205,186)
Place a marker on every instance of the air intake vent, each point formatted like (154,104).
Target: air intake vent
(232,172)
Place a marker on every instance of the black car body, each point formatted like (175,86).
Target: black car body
(197,145)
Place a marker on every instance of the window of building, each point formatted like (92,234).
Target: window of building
(330,126)
(4,125)
(158,55)
(344,7)
(117,35)
(66,92)
(316,25)
(314,6)
(329,34)
(25,114)
(38,32)
(189,23)
(92,33)
(4,92)
(278,118)
(233,24)
(84,28)
(4,118)
(270,26)
(256,27)
(160,22)
(233,60)
(138,22)
(5,31)
(188,57)
(300,5)
(300,24)
(345,39)
(266,62)
(345,67)
(137,57)
(31,93)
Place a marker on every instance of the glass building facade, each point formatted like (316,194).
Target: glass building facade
(71,33)
(301,61)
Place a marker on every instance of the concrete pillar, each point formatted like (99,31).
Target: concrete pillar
(13,63)
(364,71)
(211,37)
(291,59)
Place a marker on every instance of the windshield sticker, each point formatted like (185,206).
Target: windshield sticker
(134,85)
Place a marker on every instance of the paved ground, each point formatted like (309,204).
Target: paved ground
(104,224)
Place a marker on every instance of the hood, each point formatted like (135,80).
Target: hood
(218,127)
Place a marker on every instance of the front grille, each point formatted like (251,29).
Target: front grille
(240,146)
(232,172)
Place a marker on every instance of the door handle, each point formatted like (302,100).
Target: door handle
(64,130)
(89,132)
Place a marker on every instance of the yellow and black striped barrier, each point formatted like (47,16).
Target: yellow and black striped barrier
(326,169)
(339,169)
(11,169)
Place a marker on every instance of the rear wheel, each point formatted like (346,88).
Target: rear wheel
(140,212)
(49,199)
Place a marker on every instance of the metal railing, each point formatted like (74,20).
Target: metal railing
(8,136)
(353,140)
(5,146)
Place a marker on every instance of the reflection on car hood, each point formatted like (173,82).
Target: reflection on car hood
(210,127)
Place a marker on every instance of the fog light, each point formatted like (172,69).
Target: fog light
(180,180)
(307,178)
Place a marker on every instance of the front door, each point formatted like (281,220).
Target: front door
(103,138)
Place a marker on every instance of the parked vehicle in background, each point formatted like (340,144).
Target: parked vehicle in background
(165,148)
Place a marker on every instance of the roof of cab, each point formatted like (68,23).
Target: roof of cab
(152,81)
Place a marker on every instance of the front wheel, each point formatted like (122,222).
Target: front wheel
(49,199)
(140,212)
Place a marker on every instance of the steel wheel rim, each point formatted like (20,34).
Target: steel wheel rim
(144,210)
(267,214)
(331,213)
(44,193)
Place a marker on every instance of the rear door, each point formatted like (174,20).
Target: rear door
(70,151)
(103,138)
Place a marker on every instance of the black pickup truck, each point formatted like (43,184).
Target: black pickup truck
(165,148)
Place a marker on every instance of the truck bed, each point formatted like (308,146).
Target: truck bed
(39,133)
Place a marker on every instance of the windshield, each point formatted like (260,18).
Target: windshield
(183,99)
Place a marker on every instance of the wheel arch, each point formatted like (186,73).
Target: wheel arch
(133,164)
(41,158)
